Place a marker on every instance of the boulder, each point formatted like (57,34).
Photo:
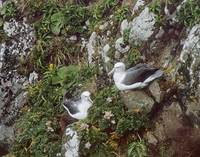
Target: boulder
(142,27)
(155,91)
(137,101)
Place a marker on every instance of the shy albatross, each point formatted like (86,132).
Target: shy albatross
(136,77)
(78,109)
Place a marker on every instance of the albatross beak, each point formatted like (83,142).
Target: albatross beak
(111,72)
(90,100)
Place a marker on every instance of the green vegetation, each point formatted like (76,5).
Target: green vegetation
(9,10)
(39,133)
(61,66)
(156,8)
(189,13)
(126,35)
(137,149)
(56,22)
(108,123)
(102,10)
(68,19)
(56,51)
(133,56)
(121,13)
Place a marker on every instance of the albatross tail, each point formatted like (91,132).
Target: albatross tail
(156,75)
(78,115)
(67,110)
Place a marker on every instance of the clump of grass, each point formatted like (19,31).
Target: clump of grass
(189,13)
(68,19)
(8,10)
(157,8)
(55,50)
(131,122)
(101,10)
(121,13)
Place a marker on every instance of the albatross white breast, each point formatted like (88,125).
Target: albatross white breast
(79,109)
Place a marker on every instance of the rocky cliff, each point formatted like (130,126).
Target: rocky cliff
(49,48)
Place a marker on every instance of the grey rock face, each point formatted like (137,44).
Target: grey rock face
(6,135)
(12,85)
(70,143)
(91,46)
(137,100)
(168,122)
(138,5)
(189,71)
(120,46)
(190,54)
(155,91)
(151,138)
(142,27)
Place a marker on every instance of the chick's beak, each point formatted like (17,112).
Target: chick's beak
(111,72)
(90,100)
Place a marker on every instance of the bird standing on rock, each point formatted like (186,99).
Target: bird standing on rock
(136,77)
(79,109)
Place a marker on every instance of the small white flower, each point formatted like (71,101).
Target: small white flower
(100,68)
(108,33)
(113,122)
(108,115)
(84,27)
(109,99)
(88,145)
(58,154)
(87,23)
(73,38)
(48,123)
(50,129)
(33,77)
(84,126)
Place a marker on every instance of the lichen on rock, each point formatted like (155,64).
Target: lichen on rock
(190,54)
(71,145)
(142,26)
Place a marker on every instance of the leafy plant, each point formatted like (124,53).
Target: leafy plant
(96,114)
(97,139)
(121,13)
(126,35)
(189,13)
(8,10)
(133,57)
(69,18)
(57,22)
(156,8)
(101,10)
(137,149)
(131,122)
